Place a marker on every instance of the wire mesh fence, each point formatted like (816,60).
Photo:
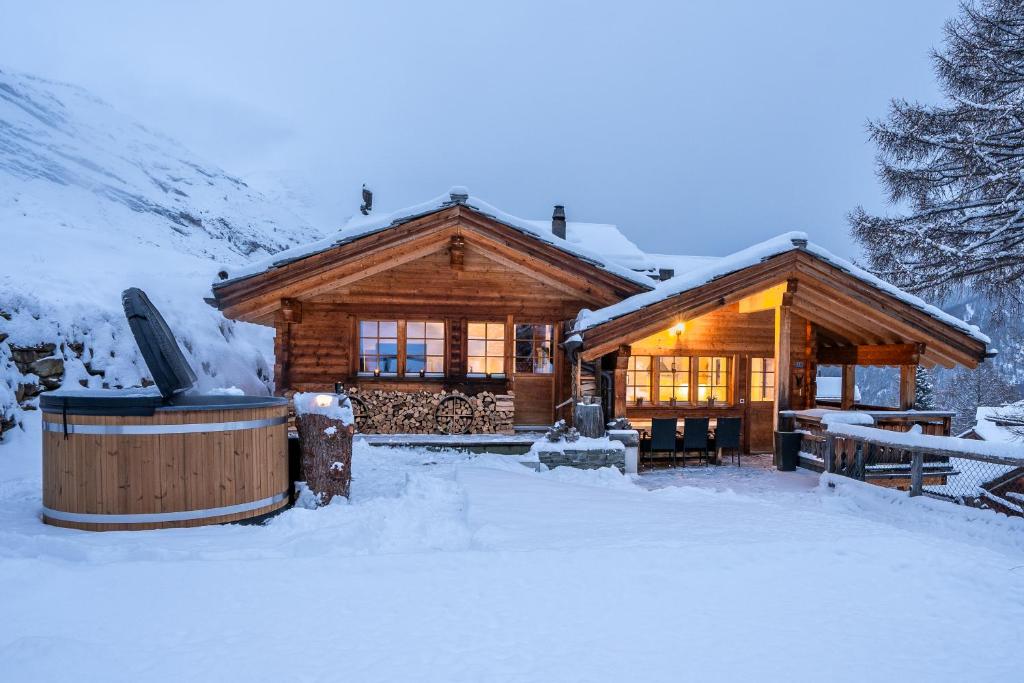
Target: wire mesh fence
(960,477)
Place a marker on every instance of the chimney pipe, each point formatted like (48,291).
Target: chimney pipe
(367,206)
(558,221)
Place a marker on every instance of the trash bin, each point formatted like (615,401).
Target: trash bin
(787,450)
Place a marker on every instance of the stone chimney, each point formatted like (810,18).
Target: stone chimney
(558,221)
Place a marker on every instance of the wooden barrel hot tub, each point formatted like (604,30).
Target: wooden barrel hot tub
(130,460)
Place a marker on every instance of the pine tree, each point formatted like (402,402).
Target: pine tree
(959,167)
(924,390)
(963,390)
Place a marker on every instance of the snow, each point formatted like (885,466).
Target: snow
(91,203)
(832,388)
(589,248)
(583,443)
(848,417)
(751,256)
(329,405)
(997,449)
(986,426)
(680,263)
(449,567)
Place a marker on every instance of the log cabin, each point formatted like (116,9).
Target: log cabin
(454,296)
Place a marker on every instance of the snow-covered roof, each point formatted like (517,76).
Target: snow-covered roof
(991,422)
(790,241)
(831,388)
(680,263)
(602,245)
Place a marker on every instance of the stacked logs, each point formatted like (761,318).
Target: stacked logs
(414,412)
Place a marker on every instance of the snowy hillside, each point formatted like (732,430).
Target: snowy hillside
(92,202)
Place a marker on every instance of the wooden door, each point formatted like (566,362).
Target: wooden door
(535,396)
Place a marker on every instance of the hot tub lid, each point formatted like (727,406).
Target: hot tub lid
(102,401)
(171,372)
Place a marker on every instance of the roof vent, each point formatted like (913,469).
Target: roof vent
(367,206)
(799,242)
(666,273)
(558,221)
(459,194)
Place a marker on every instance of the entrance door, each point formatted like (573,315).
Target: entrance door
(534,378)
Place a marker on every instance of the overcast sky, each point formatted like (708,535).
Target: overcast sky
(698,127)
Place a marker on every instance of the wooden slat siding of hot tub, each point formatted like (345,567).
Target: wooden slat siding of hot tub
(144,474)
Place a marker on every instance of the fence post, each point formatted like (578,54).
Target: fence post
(858,460)
(829,454)
(916,473)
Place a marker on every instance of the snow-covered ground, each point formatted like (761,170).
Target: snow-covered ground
(449,567)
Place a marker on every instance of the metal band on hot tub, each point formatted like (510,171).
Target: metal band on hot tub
(155,517)
(194,428)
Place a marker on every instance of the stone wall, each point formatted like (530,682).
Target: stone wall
(39,368)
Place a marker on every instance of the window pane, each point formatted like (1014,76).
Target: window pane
(435,347)
(769,364)
(664,393)
(435,364)
(495,365)
(524,364)
(665,363)
(414,329)
(477,330)
(495,331)
(388,328)
(414,364)
(496,348)
(642,362)
(435,330)
(368,328)
(368,345)
(476,365)
(415,348)
(477,348)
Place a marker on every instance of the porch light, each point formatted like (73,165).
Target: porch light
(324,400)
(677,329)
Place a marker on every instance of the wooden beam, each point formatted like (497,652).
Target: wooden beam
(783,349)
(621,365)
(871,354)
(810,365)
(848,396)
(908,386)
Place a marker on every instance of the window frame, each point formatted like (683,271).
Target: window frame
(402,348)
(631,384)
(726,385)
(377,372)
(532,357)
(769,395)
(488,340)
(443,355)
(674,373)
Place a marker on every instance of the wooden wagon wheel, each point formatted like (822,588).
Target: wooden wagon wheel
(359,412)
(453,415)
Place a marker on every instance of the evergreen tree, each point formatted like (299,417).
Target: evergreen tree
(963,390)
(959,167)
(924,390)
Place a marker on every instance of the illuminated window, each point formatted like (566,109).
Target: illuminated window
(533,348)
(673,378)
(486,352)
(424,348)
(638,379)
(713,378)
(762,379)
(378,347)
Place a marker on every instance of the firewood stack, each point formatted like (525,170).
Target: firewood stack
(414,412)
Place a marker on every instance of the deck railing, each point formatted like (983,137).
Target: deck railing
(946,468)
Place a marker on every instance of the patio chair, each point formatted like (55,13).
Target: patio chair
(727,437)
(695,438)
(663,436)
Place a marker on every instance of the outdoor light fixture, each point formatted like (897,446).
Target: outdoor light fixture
(677,329)
(376,372)
(324,400)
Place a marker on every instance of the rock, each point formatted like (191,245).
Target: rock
(51,383)
(50,366)
(29,390)
(29,354)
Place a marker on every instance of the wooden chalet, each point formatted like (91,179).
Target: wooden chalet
(455,295)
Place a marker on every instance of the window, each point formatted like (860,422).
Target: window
(638,379)
(424,348)
(533,348)
(673,378)
(713,378)
(762,379)
(486,353)
(378,347)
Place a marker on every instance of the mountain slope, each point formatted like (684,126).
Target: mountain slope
(92,202)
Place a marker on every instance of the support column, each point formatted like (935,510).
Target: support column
(908,386)
(848,395)
(290,313)
(784,350)
(810,365)
(621,365)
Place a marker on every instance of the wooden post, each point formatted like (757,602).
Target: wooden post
(810,366)
(783,350)
(849,387)
(289,314)
(829,454)
(908,386)
(621,365)
(916,473)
